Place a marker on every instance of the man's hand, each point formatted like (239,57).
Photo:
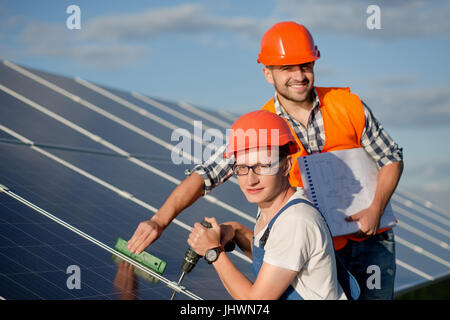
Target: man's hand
(227,232)
(146,233)
(202,239)
(368,221)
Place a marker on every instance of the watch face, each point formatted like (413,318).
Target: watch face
(211,255)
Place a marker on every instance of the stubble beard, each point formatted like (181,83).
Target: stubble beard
(283,91)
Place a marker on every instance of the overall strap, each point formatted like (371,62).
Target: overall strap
(265,236)
(347,281)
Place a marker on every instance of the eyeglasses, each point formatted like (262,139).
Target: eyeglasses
(259,169)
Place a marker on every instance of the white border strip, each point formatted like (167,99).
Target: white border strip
(422,251)
(420,220)
(164,108)
(145,113)
(204,115)
(427,204)
(228,115)
(134,108)
(420,233)
(92,107)
(425,212)
(414,270)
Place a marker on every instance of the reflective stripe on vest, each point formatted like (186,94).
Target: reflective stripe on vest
(343,122)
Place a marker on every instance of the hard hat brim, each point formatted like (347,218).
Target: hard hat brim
(293,148)
(286,61)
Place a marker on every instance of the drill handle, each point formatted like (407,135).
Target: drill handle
(229,246)
(206,224)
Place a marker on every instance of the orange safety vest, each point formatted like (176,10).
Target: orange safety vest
(343,121)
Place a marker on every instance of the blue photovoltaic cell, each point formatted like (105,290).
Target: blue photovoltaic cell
(36,251)
(91,120)
(29,122)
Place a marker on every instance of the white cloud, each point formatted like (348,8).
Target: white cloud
(394,80)
(110,55)
(182,19)
(398,18)
(142,25)
(125,37)
(119,40)
(405,107)
(41,37)
(323,71)
(50,40)
(436,187)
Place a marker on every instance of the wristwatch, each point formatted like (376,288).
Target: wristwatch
(212,255)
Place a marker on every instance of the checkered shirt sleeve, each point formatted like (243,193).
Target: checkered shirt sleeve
(377,142)
(215,170)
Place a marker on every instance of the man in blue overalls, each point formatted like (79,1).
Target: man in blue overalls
(291,247)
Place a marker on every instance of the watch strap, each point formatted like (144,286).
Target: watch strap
(218,250)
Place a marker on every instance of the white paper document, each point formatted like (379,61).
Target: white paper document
(340,184)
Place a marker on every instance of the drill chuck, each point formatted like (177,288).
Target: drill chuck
(189,261)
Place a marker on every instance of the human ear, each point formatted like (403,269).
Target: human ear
(287,166)
(268,74)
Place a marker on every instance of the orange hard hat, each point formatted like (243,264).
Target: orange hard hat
(287,43)
(260,129)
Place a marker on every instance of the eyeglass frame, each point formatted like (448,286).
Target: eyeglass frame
(256,165)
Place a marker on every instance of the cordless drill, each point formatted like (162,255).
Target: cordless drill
(191,257)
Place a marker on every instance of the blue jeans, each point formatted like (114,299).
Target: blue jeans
(372,263)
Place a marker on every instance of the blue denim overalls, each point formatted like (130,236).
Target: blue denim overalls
(347,281)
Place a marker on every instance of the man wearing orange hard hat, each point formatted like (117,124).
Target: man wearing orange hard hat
(290,245)
(322,119)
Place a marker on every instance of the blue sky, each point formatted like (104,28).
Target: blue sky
(204,52)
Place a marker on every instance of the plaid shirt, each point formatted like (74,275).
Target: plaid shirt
(375,140)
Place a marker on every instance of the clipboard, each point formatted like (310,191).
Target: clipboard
(340,184)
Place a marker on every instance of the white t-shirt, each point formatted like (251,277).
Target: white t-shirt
(299,240)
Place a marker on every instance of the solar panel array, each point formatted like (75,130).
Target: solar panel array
(82,164)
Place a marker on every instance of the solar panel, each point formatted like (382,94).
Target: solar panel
(99,159)
(43,251)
